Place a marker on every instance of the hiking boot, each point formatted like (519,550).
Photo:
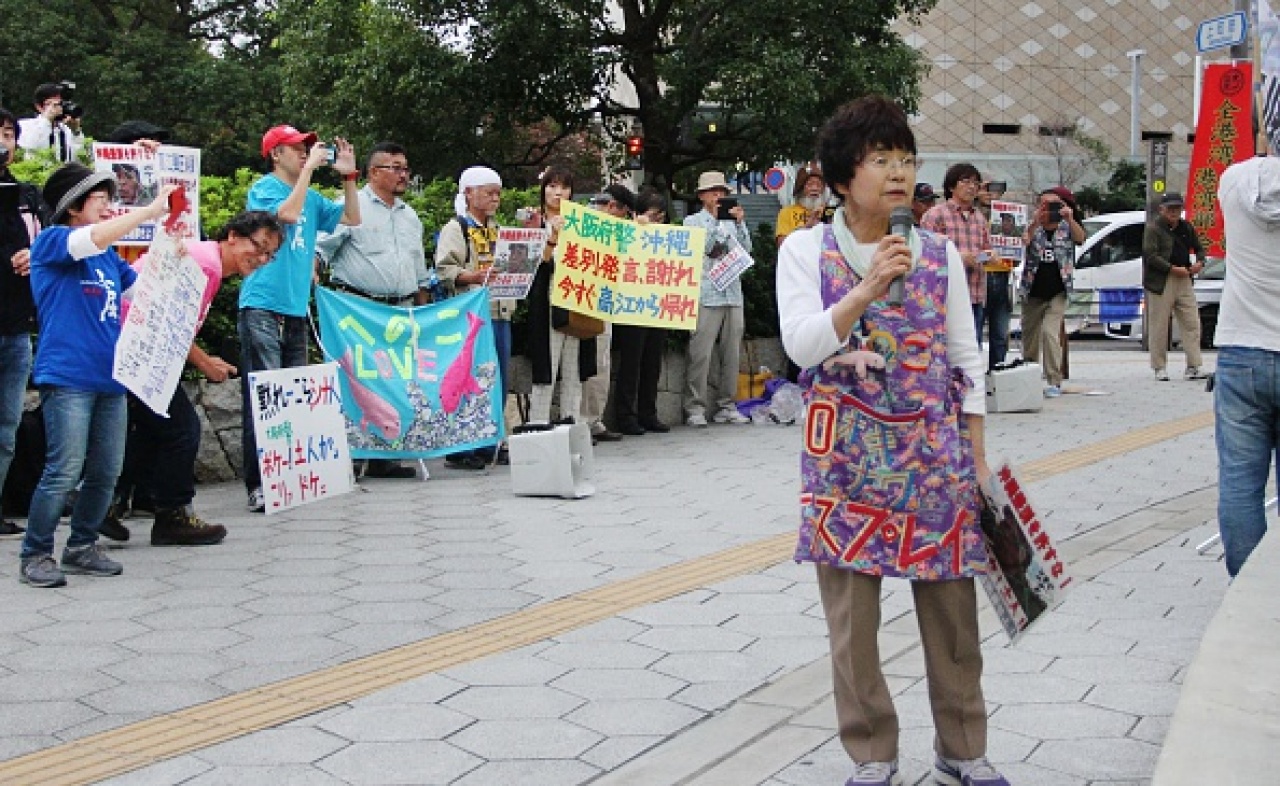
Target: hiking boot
(179,527)
(41,571)
(875,773)
(966,772)
(111,526)
(91,560)
(257,503)
(10,530)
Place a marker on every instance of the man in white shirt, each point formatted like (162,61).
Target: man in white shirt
(1246,401)
(52,127)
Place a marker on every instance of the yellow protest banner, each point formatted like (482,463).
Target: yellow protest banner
(628,273)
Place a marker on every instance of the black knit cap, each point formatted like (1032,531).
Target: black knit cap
(71,182)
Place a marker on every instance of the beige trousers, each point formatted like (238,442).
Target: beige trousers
(718,327)
(1177,300)
(595,391)
(948,615)
(564,364)
(1042,332)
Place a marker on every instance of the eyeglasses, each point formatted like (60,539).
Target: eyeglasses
(399,170)
(968,181)
(263,248)
(1054,205)
(883,162)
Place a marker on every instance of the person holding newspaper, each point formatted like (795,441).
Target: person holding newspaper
(881,323)
(720,312)
(77,281)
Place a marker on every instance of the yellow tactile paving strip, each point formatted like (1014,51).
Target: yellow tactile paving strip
(138,745)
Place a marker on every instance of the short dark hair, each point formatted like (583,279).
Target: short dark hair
(78,205)
(956,173)
(130,168)
(557,175)
(246,222)
(649,199)
(46,91)
(390,148)
(860,126)
(9,118)
(622,195)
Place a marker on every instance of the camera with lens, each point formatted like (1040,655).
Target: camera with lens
(70,108)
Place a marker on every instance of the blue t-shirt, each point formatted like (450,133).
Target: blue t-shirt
(78,307)
(284,286)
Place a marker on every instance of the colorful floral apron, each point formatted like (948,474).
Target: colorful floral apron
(887,477)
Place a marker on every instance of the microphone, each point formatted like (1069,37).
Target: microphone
(900,221)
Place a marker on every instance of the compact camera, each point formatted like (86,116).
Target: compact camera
(723,206)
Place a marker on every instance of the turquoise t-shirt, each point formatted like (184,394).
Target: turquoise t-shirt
(284,286)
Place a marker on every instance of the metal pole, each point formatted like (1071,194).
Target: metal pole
(1241,50)
(1135,98)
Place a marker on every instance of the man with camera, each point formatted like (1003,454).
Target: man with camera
(720,313)
(56,125)
(273,300)
(22,215)
(1050,239)
(382,259)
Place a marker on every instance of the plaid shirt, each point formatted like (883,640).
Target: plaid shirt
(967,228)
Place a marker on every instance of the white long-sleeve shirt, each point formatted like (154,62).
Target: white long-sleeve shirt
(809,334)
(37,133)
(1249,194)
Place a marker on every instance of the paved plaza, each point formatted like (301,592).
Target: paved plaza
(447,632)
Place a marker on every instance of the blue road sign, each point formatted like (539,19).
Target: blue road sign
(1227,30)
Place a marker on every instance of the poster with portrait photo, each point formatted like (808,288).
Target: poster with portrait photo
(515,261)
(141,173)
(1008,222)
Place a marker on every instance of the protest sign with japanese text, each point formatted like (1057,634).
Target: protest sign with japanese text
(515,261)
(140,173)
(159,324)
(1008,222)
(1027,576)
(1224,135)
(628,273)
(416,382)
(301,435)
(731,262)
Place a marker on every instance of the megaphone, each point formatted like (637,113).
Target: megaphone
(555,462)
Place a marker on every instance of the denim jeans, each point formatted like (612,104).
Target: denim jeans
(85,432)
(267,341)
(996,314)
(160,456)
(1246,408)
(15,367)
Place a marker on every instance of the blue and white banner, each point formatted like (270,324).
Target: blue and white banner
(416,382)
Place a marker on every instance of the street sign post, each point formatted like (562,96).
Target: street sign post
(1226,30)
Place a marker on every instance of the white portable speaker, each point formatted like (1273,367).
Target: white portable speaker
(1016,389)
(558,462)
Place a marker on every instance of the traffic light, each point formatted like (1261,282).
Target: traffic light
(635,152)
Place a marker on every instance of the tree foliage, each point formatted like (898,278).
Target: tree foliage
(763,73)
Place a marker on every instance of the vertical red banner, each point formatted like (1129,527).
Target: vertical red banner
(1224,135)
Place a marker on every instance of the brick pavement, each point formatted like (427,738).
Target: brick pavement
(404,561)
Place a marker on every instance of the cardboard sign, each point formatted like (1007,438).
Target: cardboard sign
(416,382)
(1224,135)
(302,436)
(1027,576)
(628,273)
(139,175)
(160,325)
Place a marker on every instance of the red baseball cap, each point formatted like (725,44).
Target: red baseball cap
(284,135)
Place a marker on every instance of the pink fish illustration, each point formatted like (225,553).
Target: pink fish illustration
(374,409)
(459,379)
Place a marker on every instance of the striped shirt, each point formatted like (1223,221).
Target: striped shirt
(967,228)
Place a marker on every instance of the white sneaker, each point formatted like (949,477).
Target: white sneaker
(1162,375)
(731,415)
(696,421)
(1193,373)
(257,502)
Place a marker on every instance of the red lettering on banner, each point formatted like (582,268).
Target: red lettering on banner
(874,518)
(820,428)
(823,536)
(908,556)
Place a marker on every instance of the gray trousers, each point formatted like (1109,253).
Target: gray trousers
(718,326)
(948,615)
